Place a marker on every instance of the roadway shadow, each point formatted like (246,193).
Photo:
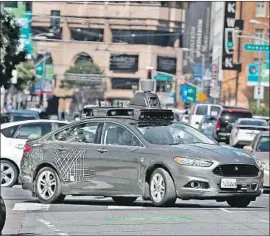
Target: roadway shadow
(98,202)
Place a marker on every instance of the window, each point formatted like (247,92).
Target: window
(87,34)
(59,125)
(44,32)
(214,110)
(124,83)
(202,110)
(33,131)
(163,86)
(119,135)
(258,34)
(83,133)
(260,9)
(9,132)
(263,145)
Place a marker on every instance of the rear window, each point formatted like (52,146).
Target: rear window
(9,132)
(232,116)
(201,110)
(253,122)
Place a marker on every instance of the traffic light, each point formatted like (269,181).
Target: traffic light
(149,72)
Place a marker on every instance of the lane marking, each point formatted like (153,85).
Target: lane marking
(225,210)
(265,221)
(132,219)
(125,207)
(31,207)
(52,227)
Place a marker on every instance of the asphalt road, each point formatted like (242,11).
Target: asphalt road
(99,216)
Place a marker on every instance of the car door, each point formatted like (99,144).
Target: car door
(119,163)
(72,151)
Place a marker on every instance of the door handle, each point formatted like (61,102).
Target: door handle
(101,150)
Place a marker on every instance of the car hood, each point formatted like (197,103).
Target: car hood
(212,152)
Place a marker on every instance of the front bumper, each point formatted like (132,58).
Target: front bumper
(251,187)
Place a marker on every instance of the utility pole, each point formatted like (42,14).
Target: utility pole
(259,82)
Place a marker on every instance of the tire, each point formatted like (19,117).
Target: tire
(11,177)
(124,200)
(169,195)
(239,202)
(52,194)
(2,214)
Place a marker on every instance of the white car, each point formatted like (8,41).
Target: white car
(13,138)
(244,131)
(198,111)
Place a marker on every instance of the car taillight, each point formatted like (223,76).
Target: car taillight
(218,125)
(27,148)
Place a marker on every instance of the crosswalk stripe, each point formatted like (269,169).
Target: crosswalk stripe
(124,207)
(31,207)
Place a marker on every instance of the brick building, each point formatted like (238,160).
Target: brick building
(246,11)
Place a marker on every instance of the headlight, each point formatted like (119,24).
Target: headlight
(192,162)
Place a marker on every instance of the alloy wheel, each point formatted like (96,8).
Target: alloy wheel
(157,187)
(46,184)
(7,174)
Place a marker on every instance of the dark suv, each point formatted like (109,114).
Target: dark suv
(225,120)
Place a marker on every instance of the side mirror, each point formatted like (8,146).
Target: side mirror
(248,148)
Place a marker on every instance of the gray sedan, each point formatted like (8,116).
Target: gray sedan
(125,158)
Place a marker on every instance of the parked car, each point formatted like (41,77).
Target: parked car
(207,124)
(20,115)
(266,118)
(244,131)
(13,137)
(261,148)
(198,111)
(128,153)
(225,120)
(2,214)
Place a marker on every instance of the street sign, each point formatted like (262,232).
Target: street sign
(188,93)
(39,69)
(258,92)
(215,89)
(256,47)
(253,74)
(265,73)
(163,77)
(49,72)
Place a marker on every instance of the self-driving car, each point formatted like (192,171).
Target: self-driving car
(125,153)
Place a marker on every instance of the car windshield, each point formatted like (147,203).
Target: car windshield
(253,122)
(263,145)
(172,134)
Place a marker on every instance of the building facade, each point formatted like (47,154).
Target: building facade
(231,89)
(122,38)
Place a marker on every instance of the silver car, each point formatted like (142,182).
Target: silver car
(125,157)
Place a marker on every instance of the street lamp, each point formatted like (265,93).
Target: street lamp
(256,22)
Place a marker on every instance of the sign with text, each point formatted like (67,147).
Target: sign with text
(124,63)
(188,93)
(228,37)
(256,47)
(166,64)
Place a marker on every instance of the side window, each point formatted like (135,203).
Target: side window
(62,135)
(201,110)
(9,132)
(59,125)
(84,133)
(119,135)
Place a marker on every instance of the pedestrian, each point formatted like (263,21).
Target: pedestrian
(9,106)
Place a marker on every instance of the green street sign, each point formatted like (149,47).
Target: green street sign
(49,72)
(39,70)
(256,47)
(163,77)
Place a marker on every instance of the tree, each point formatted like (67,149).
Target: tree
(9,42)
(25,74)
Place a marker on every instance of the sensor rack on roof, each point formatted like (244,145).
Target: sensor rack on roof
(137,114)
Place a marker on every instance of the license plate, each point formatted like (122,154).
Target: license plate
(228,183)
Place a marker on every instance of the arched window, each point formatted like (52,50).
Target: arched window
(83,57)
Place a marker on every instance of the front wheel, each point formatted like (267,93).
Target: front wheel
(162,189)
(9,173)
(48,186)
(239,202)
(124,200)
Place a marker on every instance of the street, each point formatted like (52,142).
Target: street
(101,216)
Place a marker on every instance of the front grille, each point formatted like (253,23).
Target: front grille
(236,170)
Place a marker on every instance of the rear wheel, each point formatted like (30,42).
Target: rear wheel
(239,202)
(48,186)
(9,173)
(124,200)
(162,189)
